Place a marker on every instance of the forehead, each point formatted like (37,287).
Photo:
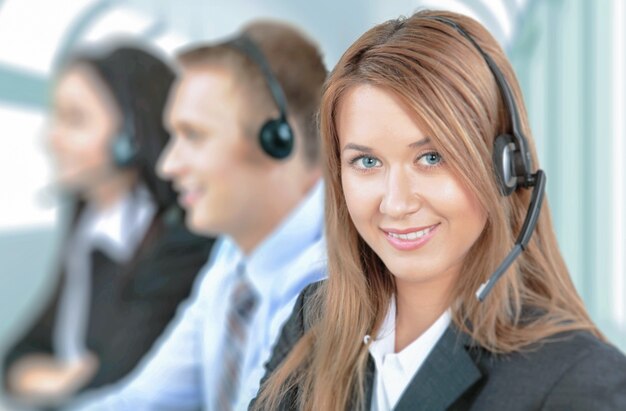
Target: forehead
(78,82)
(201,95)
(369,113)
(79,87)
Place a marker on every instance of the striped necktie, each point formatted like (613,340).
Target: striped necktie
(242,303)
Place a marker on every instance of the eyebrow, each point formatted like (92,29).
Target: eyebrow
(186,126)
(420,143)
(365,149)
(357,147)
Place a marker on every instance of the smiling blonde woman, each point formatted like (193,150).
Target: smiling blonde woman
(423,205)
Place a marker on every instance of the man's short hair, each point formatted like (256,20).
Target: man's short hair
(297,65)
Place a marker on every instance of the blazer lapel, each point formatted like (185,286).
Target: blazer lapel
(370,373)
(446,374)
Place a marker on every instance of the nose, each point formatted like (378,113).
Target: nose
(170,162)
(400,198)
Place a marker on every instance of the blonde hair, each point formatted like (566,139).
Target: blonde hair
(445,81)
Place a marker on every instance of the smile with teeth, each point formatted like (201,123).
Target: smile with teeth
(410,241)
(411,236)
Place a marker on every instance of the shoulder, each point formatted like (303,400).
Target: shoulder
(578,351)
(306,304)
(572,370)
(303,309)
(569,344)
(594,377)
(168,261)
(176,234)
(297,324)
(307,293)
(167,239)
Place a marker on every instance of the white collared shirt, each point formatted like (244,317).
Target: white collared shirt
(394,371)
(181,372)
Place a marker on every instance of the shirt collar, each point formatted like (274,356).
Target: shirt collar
(301,228)
(385,341)
(413,355)
(118,230)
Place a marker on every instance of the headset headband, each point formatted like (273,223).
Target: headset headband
(507,96)
(250,49)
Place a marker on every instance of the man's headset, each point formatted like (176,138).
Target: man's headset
(512,162)
(276,135)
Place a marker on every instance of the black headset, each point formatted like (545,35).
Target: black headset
(276,135)
(512,163)
(124,150)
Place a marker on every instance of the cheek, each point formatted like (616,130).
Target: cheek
(226,177)
(224,158)
(448,193)
(463,209)
(82,152)
(96,154)
(362,200)
(206,162)
(90,141)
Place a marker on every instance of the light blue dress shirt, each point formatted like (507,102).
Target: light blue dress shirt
(181,372)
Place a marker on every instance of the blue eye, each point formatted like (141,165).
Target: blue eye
(367,162)
(431,159)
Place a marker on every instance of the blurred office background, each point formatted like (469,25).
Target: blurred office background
(569,55)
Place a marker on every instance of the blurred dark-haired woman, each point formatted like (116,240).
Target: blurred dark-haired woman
(127,260)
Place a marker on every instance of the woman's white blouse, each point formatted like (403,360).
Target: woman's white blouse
(394,371)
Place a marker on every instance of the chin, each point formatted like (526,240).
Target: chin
(194,224)
(201,226)
(411,272)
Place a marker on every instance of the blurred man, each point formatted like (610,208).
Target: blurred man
(244,158)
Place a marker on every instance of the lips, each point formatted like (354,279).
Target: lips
(187,197)
(411,238)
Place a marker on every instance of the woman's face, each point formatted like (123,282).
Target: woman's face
(83,123)
(401,194)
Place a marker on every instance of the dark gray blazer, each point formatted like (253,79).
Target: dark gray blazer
(573,371)
(131,304)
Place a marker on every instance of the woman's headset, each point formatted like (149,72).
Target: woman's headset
(124,150)
(512,163)
(276,135)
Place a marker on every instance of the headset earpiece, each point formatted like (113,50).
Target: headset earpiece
(276,138)
(123,151)
(509,165)
(503,154)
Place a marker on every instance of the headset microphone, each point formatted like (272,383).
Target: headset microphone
(512,164)
(524,237)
